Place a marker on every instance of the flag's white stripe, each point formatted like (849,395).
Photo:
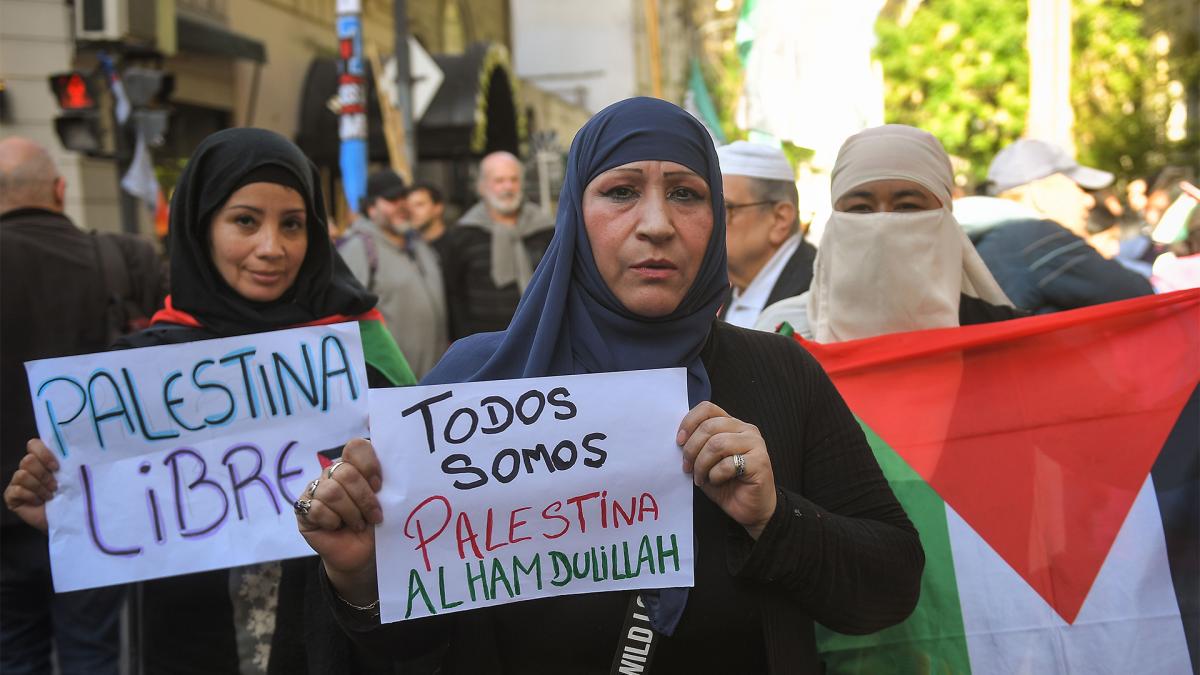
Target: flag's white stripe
(1129,622)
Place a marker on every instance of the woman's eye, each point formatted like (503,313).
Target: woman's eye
(909,206)
(860,208)
(620,193)
(293,224)
(684,194)
(244,219)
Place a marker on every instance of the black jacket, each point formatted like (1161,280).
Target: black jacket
(839,550)
(54,302)
(474,304)
(1043,267)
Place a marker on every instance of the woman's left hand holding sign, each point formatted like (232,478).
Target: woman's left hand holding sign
(33,484)
(728,459)
(337,518)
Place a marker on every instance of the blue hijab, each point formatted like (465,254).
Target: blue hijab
(569,322)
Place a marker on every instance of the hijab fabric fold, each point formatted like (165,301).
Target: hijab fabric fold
(221,164)
(569,322)
(879,273)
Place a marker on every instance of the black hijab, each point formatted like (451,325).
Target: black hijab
(220,165)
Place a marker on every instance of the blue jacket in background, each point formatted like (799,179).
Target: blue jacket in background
(1043,267)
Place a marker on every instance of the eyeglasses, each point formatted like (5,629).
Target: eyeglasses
(730,208)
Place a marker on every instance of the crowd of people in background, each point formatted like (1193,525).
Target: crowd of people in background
(898,253)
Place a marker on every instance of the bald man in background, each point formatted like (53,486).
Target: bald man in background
(490,255)
(56,299)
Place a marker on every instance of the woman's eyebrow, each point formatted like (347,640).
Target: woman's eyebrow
(628,169)
(671,174)
(909,193)
(244,206)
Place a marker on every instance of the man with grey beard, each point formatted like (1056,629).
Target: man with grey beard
(492,252)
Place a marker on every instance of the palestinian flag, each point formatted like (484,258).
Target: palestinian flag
(1051,466)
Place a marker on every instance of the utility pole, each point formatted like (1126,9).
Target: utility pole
(404,81)
(651,7)
(1050,116)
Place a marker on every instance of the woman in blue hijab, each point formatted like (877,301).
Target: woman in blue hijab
(795,523)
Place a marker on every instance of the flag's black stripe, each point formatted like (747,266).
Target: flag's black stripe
(1177,480)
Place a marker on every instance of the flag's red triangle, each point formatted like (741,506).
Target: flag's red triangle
(1039,432)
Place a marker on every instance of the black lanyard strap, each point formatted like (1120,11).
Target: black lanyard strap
(635,649)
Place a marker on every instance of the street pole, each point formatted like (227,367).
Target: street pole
(404,81)
(352,123)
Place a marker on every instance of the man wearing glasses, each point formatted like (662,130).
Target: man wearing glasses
(768,257)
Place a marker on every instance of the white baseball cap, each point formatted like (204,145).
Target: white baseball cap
(1029,159)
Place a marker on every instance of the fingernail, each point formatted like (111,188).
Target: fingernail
(376,483)
(679,437)
(377,516)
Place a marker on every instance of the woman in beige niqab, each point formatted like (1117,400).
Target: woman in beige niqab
(892,257)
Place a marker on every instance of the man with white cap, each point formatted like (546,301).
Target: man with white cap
(768,257)
(1033,234)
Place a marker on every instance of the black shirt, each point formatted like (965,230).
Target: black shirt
(839,550)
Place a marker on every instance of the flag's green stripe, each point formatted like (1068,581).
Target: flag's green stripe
(932,639)
(381,351)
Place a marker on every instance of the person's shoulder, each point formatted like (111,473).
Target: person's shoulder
(474,218)
(464,358)
(38,225)
(538,217)
(750,348)
(1033,227)
(163,334)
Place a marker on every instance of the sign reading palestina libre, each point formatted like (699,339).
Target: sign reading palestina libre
(185,458)
(502,491)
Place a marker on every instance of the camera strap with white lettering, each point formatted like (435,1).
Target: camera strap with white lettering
(635,649)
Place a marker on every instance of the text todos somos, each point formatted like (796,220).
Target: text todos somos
(182,458)
(511,490)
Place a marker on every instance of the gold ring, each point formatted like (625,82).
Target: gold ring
(333,467)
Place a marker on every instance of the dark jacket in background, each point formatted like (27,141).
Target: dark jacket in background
(1043,267)
(794,279)
(55,301)
(474,303)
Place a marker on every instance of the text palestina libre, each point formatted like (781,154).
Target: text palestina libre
(284,383)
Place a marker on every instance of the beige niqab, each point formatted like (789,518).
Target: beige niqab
(879,273)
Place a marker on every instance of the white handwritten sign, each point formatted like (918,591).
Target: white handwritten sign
(496,492)
(183,458)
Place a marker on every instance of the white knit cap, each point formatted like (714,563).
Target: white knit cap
(742,158)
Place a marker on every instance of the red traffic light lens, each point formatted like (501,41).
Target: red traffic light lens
(73,92)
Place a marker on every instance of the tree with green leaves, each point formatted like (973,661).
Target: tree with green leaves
(959,69)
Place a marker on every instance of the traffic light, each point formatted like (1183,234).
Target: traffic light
(78,126)
(148,91)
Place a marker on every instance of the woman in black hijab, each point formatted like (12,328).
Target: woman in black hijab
(249,252)
(793,520)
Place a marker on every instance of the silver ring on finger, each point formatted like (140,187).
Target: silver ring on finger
(302,506)
(739,466)
(312,487)
(333,467)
